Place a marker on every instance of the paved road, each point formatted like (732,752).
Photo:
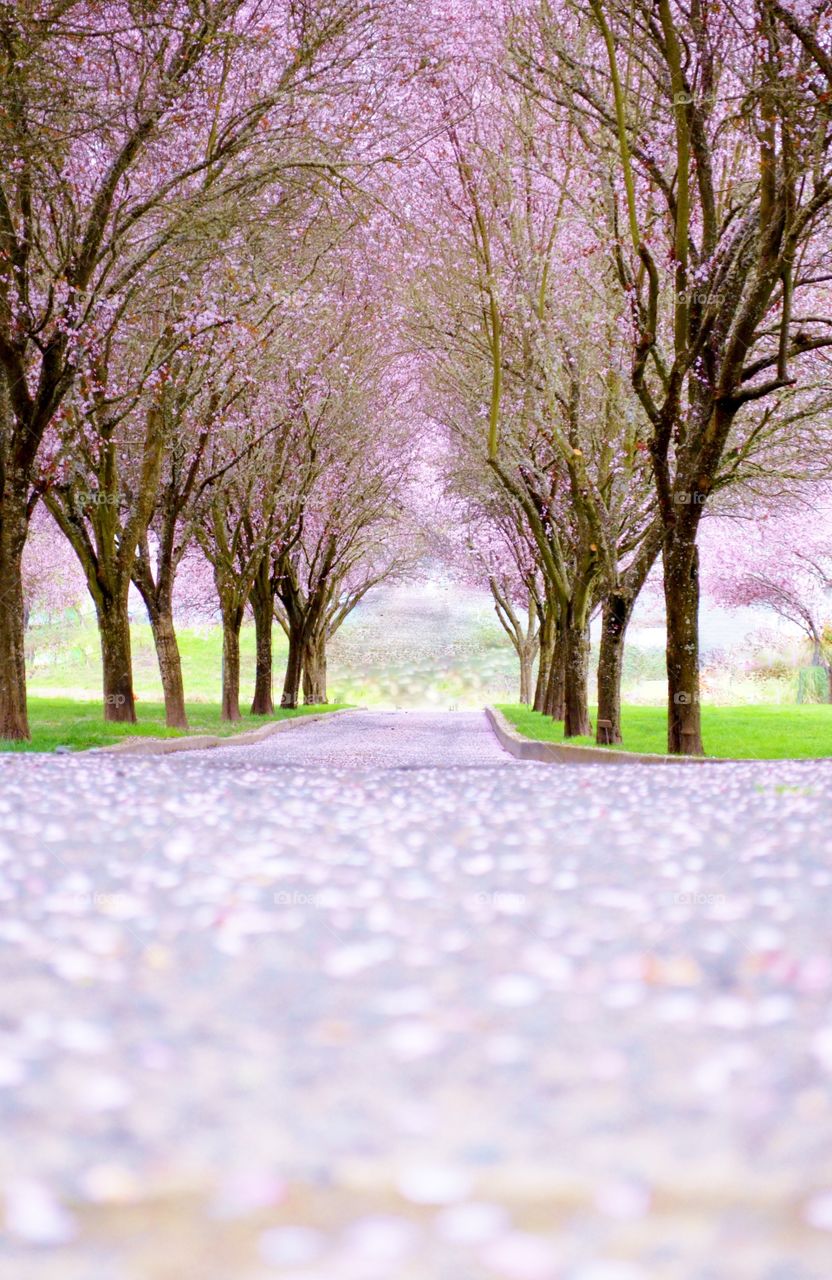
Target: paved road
(379,740)
(494,1021)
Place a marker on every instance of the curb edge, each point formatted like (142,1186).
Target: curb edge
(205,742)
(523,748)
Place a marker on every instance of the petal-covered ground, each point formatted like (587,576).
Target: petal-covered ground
(371,999)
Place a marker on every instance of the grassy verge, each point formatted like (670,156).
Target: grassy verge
(745,733)
(59,722)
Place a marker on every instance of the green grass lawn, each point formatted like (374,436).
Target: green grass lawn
(65,661)
(78,724)
(747,733)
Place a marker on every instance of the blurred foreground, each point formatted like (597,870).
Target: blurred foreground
(440,1015)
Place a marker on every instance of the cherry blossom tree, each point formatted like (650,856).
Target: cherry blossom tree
(355,525)
(52,581)
(712,122)
(123,130)
(527,341)
(244,514)
(779,561)
(488,545)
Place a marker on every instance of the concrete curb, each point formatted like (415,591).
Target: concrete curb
(205,742)
(524,748)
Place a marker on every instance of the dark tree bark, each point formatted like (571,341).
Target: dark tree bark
(681,594)
(262,604)
(170,668)
(314,671)
(526,655)
(169,660)
(117,662)
(303,621)
(615,616)
(14,720)
(294,665)
(232,620)
(158,600)
(548,637)
(617,611)
(555,701)
(576,721)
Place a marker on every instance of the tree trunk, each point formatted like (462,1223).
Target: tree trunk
(170,667)
(526,655)
(576,723)
(616,615)
(314,672)
(158,600)
(14,720)
(681,594)
(294,663)
(262,607)
(544,666)
(555,703)
(117,661)
(231,666)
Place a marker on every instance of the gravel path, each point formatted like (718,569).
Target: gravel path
(492,1021)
